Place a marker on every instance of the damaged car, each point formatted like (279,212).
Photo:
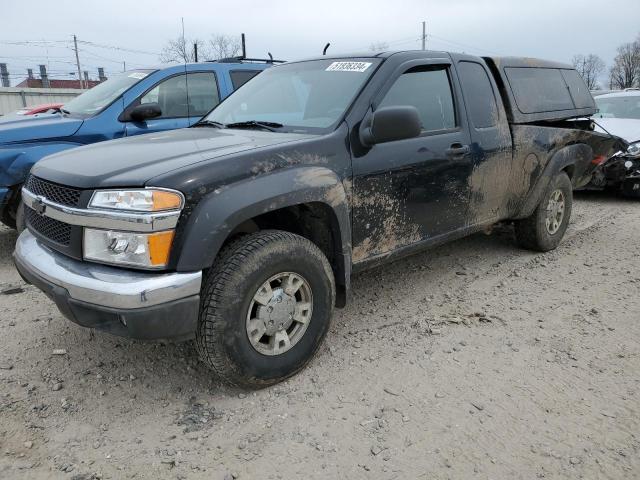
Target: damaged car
(619,114)
(243,231)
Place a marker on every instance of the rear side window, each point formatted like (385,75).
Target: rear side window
(578,89)
(539,89)
(240,77)
(429,90)
(478,94)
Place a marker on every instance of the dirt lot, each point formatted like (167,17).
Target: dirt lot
(473,360)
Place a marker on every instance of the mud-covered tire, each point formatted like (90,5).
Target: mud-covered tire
(228,294)
(533,232)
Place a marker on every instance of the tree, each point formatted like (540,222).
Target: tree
(181,50)
(589,67)
(625,72)
(223,46)
(379,46)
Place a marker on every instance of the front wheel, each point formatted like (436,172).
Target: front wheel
(544,229)
(266,307)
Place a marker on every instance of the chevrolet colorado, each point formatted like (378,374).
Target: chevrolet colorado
(243,230)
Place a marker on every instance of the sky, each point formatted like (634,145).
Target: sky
(41,31)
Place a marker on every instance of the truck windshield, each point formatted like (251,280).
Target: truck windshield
(619,107)
(303,96)
(94,100)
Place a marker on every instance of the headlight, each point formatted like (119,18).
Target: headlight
(142,200)
(633,150)
(147,250)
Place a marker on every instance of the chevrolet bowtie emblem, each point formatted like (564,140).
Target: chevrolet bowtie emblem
(39,206)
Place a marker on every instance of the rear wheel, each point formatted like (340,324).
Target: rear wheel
(266,306)
(544,229)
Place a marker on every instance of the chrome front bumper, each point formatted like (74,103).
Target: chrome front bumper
(123,302)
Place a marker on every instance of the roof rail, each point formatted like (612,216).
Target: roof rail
(241,59)
(631,89)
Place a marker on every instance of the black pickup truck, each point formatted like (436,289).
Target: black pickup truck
(243,231)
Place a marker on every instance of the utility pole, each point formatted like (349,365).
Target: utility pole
(124,66)
(75,46)
(424,35)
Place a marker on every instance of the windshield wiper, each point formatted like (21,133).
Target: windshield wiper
(209,123)
(66,112)
(271,126)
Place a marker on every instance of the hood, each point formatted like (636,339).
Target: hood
(626,128)
(131,162)
(37,127)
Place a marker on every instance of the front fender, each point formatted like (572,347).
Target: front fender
(218,213)
(16,160)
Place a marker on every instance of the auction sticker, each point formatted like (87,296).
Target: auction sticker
(348,66)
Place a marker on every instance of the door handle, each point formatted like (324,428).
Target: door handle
(457,150)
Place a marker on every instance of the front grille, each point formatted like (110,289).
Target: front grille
(53,192)
(51,229)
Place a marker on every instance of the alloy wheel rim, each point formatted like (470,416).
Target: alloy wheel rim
(279,313)
(555,212)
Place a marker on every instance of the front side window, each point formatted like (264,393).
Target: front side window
(170,95)
(190,95)
(428,90)
(303,96)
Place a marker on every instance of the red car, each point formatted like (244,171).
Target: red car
(42,108)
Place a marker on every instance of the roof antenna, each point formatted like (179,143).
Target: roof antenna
(244,48)
(324,52)
(270,57)
(186,74)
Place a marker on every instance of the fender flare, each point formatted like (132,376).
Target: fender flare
(578,156)
(219,212)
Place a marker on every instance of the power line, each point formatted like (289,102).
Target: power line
(113,47)
(463,45)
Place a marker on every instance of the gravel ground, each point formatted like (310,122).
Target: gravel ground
(473,360)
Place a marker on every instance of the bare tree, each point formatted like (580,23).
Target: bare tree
(223,46)
(589,67)
(379,46)
(625,72)
(181,50)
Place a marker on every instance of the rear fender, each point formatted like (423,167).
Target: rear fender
(575,158)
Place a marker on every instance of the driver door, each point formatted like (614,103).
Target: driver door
(413,190)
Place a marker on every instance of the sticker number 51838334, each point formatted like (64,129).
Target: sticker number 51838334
(348,66)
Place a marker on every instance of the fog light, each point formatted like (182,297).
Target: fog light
(126,248)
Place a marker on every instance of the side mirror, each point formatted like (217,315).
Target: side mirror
(391,123)
(145,111)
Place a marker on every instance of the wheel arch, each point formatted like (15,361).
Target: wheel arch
(572,159)
(303,200)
